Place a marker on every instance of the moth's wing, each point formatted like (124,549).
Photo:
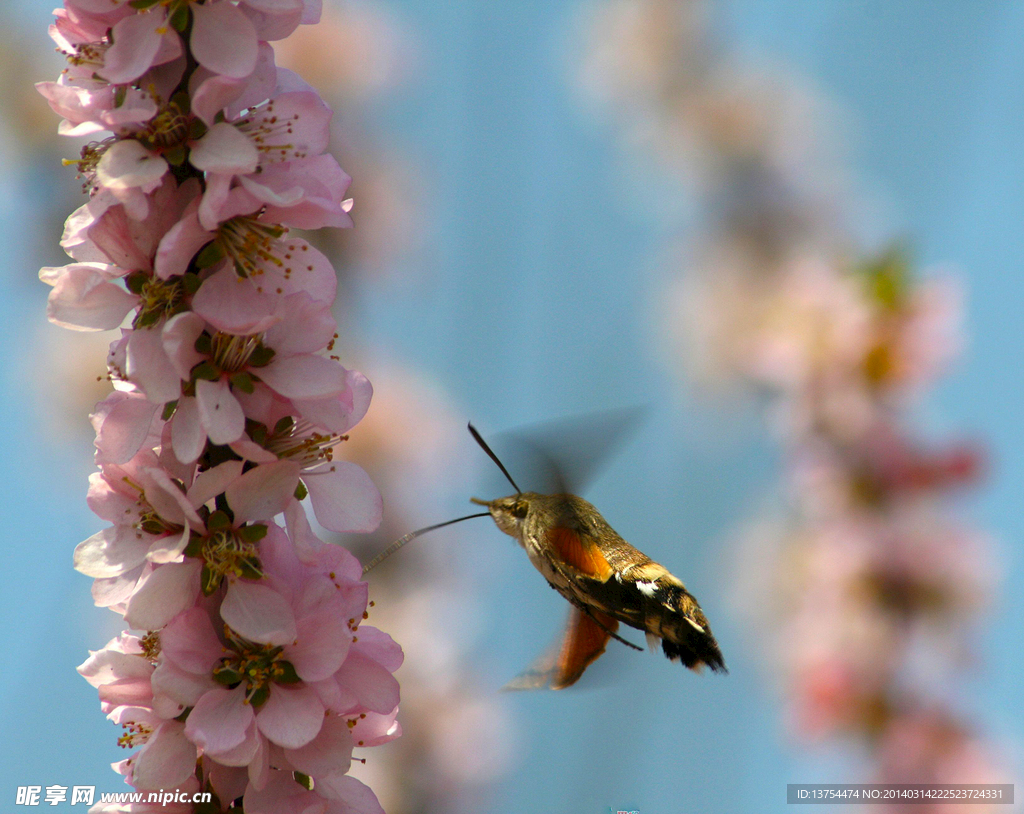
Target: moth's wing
(562,456)
(585,639)
(580,553)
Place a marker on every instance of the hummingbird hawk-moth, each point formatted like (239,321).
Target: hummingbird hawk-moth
(604,578)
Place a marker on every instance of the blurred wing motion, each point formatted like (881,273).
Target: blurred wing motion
(586,637)
(564,455)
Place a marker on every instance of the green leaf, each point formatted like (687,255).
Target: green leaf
(242,381)
(284,425)
(212,807)
(253,533)
(228,676)
(257,431)
(217,521)
(301,491)
(289,676)
(261,356)
(190,282)
(303,780)
(209,255)
(179,18)
(175,156)
(259,698)
(195,546)
(197,129)
(136,281)
(143,4)
(210,580)
(153,527)
(169,409)
(206,370)
(251,568)
(147,319)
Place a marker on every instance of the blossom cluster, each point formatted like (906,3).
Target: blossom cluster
(247,670)
(870,585)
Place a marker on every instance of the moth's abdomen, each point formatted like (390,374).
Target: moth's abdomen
(659,604)
(683,628)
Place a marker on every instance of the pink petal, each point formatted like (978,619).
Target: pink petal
(136,40)
(259,613)
(179,337)
(219,720)
(127,164)
(180,244)
(110,552)
(282,795)
(223,39)
(330,751)
(126,691)
(168,548)
(228,783)
(249,450)
(211,482)
(274,21)
(224,149)
(331,695)
(191,643)
(213,94)
(304,269)
(232,305)
(175,689)
(243,754)
(259,85)
(106,665)
(148,366)
(169,501)
(380,647)
(375,728)
(372,684)
(113,592)
(357,796)
(167,760)
(219,411)
(342,412)
(264,491)
(291,717)
(188,438)
(84,299)
(124,428)
(308,132)
(168,590)
(322,644)
(306,325)
(306,543)
(344,498)
(303,376)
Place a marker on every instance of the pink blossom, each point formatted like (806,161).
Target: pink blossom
(255,662)
(302,625)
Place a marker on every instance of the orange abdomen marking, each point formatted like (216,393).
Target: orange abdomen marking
(581,554)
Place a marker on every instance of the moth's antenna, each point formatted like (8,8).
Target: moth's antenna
(490,452)
(412,535)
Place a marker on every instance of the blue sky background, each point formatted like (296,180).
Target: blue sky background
(536,301)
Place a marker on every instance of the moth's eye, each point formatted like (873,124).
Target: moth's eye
(519,509)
